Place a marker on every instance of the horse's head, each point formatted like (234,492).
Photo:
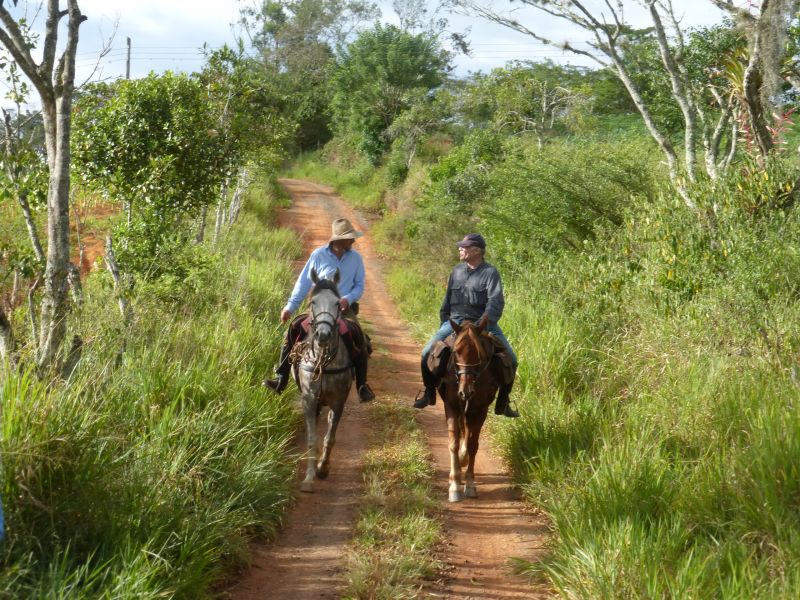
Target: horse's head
(469,354)
(324,307)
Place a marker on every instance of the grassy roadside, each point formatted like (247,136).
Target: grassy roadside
(147,473)
(659,394)
(397,529)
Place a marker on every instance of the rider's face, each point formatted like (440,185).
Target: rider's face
(342,246)
(465,254)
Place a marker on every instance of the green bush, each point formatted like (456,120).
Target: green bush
(145,474)
(659,354)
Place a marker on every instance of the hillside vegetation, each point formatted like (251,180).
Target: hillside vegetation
(643,216)
(658,341)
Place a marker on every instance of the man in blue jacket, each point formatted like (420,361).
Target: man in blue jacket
(338,254)
(473,290)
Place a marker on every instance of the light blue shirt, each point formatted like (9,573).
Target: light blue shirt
(351,275)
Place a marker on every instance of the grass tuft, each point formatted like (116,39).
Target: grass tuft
(397,529)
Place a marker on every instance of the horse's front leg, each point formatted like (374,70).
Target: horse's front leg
(453,434)
(462,447)
(474,426)
(334,415)
(310,411)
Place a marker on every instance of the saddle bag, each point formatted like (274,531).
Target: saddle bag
(438,358)
(503,368)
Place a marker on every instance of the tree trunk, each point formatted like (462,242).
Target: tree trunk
(33,234)
(7,347)
(113,268)
(201,227)
(753,80)
(662,141)
(54,300)
(678,92)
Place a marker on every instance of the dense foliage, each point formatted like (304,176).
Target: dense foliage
(377,77)
(655,317)
(145,474)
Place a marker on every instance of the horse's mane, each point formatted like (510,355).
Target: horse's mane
(326,284)
(474,337)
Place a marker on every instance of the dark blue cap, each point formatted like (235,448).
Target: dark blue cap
(472,239)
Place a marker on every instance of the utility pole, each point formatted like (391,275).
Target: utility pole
(128,61)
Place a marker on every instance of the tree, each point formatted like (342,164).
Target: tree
(610,33)
(250,110)
(155,145)
(377,78)
(528,98)
(54,80)
(296,41)
(767,30)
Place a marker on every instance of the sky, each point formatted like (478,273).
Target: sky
(169,34)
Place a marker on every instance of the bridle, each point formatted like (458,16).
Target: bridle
(474,369)
(315,318)
(316,365)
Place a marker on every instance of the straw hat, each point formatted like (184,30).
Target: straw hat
(342,229)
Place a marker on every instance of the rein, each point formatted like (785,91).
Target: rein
(303,352)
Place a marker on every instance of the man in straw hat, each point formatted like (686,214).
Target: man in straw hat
(474,290)
(338,254)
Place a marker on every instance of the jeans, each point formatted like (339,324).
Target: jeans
(446,330)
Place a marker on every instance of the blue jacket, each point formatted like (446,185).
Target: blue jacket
(351,275)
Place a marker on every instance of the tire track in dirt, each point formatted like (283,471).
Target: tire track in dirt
(480,535)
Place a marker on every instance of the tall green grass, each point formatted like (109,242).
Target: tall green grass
(145,475)
(658,380)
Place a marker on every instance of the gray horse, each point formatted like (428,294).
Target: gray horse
(323,372)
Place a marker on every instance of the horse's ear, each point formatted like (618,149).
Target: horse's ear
(314,277)
(456,327)
(336,276)
(483,323)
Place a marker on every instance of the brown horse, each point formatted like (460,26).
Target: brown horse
(469,387)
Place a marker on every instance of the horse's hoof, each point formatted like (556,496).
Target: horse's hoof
(470,491)
(307,486)
(455,496)
(322,472)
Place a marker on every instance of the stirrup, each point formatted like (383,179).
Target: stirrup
(510,412)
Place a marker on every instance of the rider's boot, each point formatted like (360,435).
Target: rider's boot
(502,405)
(430,381)
(365,393)
(279,383)
(360,360)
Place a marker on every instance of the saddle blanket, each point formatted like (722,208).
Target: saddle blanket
(344,325)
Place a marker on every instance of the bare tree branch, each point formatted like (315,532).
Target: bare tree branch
(678,90)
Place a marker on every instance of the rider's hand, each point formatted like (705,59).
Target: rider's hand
(344,303)
(285,314)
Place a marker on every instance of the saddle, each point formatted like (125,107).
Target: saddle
(439,358)
(348,328)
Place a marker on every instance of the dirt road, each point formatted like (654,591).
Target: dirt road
(481,535)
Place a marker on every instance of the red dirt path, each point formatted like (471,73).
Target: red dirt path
(480,535)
